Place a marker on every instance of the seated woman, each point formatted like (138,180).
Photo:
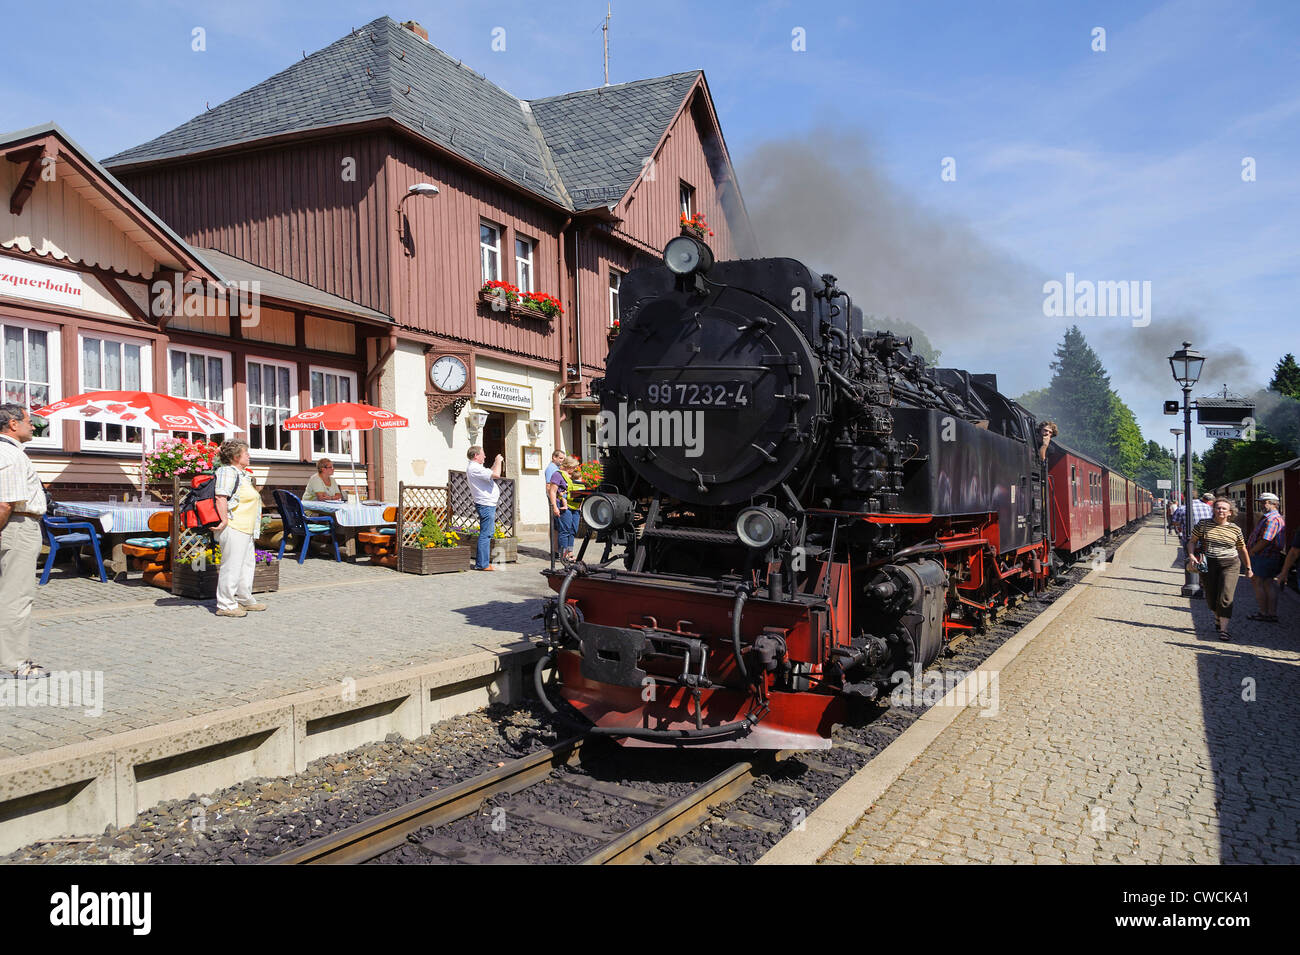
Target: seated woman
(322,486)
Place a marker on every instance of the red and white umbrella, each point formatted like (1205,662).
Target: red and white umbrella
(139,409)
(147,410)
(344,416)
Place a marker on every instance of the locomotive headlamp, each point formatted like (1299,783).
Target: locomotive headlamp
(761,527)
(686,255)
(602,511)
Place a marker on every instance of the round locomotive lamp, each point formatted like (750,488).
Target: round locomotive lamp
(761,528)
(686,255)
(602,511)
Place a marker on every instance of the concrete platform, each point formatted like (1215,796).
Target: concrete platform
(155,697)
(1126,732)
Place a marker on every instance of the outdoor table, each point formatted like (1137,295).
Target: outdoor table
(117,520)
(350,516)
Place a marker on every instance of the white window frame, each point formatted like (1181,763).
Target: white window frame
(525,265)
(53,352)
(146,384)
(587,448)
(489,252)
(228,388)
(351,376)
(615,289)
(686,198)
(260,453)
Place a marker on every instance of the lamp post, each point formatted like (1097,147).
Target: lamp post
(1186,366)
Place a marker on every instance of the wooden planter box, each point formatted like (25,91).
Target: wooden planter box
(505,549)
(434,560)
(202,585)
(515,308)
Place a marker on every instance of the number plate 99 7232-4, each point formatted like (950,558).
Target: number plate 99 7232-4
(698,394)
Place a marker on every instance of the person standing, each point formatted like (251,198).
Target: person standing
(22,505)
(483,485)
(1265,544)
(239,505)
(557,492)
(557,461)
(1226,554)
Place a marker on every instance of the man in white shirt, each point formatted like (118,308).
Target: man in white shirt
(22,505)
(483,485)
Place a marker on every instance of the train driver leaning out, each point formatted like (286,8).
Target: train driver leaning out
(1048,431)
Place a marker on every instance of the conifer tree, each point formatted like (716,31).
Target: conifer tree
(1286,377)
(1080,396)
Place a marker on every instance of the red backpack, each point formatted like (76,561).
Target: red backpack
(200,507)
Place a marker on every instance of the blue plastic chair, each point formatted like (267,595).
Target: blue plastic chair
(65,532)
(296,522)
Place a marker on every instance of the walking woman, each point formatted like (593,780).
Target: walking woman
(239,505)
(1225,551)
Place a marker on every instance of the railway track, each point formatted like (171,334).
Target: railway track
(425,823)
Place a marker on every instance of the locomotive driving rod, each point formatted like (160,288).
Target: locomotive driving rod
(738,728)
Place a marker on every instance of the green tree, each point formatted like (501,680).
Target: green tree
(1036,402)
(1079,396)
(1286,377)
(1124,451)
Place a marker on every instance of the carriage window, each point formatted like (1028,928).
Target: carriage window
(1074,484)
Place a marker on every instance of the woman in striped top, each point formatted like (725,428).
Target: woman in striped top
(1225,551)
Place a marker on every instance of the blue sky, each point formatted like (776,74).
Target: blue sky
(1115,165)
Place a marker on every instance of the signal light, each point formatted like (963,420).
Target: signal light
(686,255)
(1172,407)
(761,528)
(602,511)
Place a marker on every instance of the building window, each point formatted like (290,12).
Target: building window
(332,387)
(615,283)
(272,397)
(524,264)
(687,194)
(113,364)
(590,431)
(489,246)
(203,377)
(29,365)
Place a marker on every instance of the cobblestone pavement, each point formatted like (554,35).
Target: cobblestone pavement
(164,658)
(1127,732)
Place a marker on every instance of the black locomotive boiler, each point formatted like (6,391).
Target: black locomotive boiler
(795,510)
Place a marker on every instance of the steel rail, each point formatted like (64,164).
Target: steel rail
(373,837)
(679,817)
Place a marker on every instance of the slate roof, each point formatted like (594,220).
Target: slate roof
(282,287)
(600,138)
(578,150)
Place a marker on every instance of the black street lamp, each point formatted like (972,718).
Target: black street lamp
(1186,365)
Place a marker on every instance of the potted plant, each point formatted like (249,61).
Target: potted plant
(500,295)
(613,331)
(546,306)
(433,550)
(179,457)
(695,225)
(196,576)
(505,549)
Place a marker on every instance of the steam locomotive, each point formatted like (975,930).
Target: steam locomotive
(794,510)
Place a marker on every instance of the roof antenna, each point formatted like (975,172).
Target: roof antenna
(605,30)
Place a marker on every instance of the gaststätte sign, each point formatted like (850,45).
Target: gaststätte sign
(504,394)
(41,283)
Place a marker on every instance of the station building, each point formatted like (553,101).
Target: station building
(373,188)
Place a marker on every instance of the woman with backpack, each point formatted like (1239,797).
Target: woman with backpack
(239,505)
